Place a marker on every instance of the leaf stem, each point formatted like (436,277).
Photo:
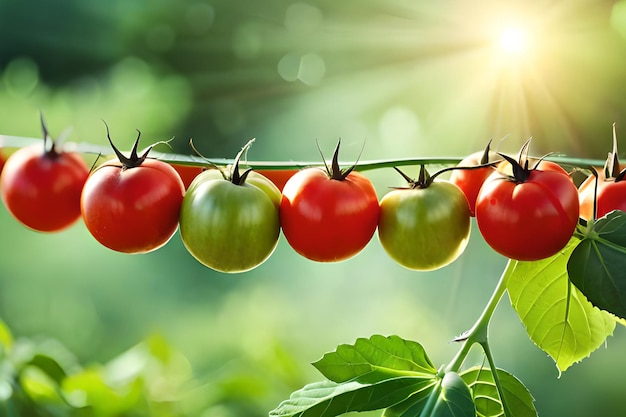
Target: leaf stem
(479,331)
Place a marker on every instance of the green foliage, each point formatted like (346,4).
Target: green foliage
(451,397)
(44,379)
(396,375)
(597,266)
(556,315)
(379,357)
(487,399)
(372,374)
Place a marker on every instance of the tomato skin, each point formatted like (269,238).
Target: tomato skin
(611,196)
(187,173)
(424,228)
(254,178)
(530,220)
(228,227)
(132,210)
(328,220)
(278,176)
(470,180)
(42,189)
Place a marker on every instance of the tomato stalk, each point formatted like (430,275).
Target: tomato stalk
(479,334)
(194,160)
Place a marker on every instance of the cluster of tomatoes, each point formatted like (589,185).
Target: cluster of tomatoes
(230,220)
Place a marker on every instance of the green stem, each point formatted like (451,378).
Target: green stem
(479,331)
(496,378)
(88,148)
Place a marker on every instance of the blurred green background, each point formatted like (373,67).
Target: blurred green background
(407,78)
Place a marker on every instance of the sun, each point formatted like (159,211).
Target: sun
(513,40)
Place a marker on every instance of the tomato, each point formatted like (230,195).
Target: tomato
(41,186)
(278,176)
(470,180)
(329,214)
(132,205)
(528,218)
(187,173)
(424,228)
(610,195)
(2,160)
(230,225)
(609,192)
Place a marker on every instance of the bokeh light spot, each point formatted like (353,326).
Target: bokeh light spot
(21,76)
(302,18)
(312,69)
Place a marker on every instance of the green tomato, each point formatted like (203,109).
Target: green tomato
(228,227)
(424,228)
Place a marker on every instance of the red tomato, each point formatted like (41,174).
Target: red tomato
(470,180)
(278,176)
(327,219)
(41,188)
(528,220)
(610,195)
(2,160)
(187,173)
(132,209)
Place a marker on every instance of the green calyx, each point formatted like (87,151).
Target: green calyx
(334,171)
(134,160)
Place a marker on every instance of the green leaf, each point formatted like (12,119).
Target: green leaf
(487,400)
(450,398)
(48,365)
(329,399)
(597,266)
(6,339)
(378,357)
(556,315)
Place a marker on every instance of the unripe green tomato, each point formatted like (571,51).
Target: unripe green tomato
(228,227)
(424,228)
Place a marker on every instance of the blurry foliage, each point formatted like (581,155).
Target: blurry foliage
(40,377)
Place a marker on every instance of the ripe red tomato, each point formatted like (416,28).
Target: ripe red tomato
(470,180)
(326,219)
(132,205)
(528,219)
(132,210)
(187,173)
(278,176)
(610,195)
(41,187)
